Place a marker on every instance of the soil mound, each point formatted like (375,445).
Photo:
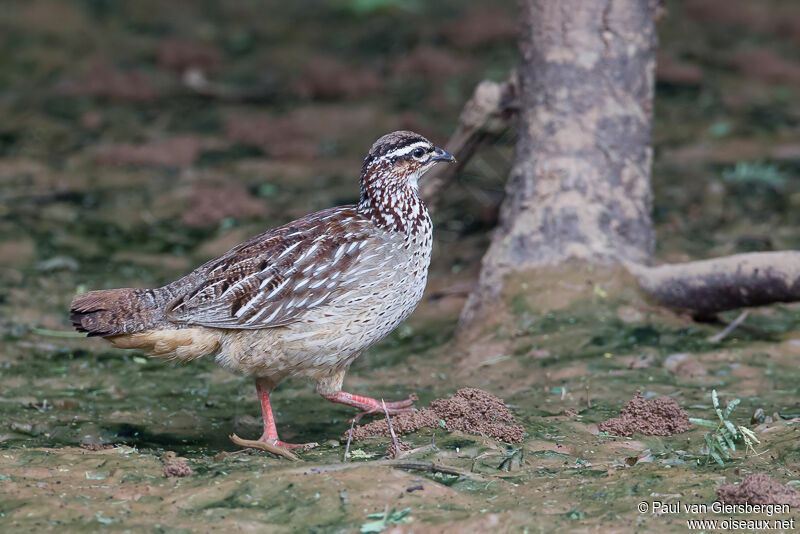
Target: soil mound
(470,410)
(395,452)
(175,466)
(758,488)
(660,417)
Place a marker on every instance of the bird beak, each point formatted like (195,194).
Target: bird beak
(442,155)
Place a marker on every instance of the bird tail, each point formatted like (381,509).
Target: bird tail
(113,312)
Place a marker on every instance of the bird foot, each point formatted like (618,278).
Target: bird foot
(380,411)
(273,445)
(370,406)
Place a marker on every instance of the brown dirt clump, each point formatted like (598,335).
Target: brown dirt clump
(660,417)
(402,446)
(281,137)
(740,13)
(327,78)
(767,66)
(431,63)
(211,204)
(94,446)
(671,70)
(470,410)
(758,488)
(482,27)
(404,423)
(179,55)
(478,412)
(176,152)
(106,81)
(174,466)
(684,365)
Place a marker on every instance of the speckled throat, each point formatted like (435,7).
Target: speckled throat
(391,200)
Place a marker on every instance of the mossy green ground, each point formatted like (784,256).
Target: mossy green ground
(83,207)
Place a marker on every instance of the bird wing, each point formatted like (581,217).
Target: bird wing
(274,278)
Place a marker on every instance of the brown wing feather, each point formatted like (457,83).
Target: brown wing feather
(274,278)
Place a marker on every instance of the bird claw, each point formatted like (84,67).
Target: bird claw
(276,447)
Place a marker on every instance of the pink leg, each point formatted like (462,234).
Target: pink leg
(270,434)
(368,405)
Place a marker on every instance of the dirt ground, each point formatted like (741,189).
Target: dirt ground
(139,139)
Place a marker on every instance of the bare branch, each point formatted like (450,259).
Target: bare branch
(488,111)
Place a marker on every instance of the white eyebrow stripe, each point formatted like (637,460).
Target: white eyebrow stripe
(406,149)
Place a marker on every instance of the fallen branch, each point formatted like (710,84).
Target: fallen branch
(705,288)
(488,111)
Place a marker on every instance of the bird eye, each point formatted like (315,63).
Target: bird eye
(418,153)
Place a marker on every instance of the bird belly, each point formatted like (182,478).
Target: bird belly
(329,338)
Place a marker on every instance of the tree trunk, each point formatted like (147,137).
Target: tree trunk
(580,184)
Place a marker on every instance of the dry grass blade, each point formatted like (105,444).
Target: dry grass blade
(730,328)
(391,429)
(261,445)
(349,439)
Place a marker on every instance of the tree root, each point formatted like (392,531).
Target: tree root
(705,288)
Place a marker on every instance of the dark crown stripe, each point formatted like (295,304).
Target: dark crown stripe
(390,142)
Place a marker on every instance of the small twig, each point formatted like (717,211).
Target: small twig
(264,446)
(391,429)
(588,396)
(730,328)
(349,439)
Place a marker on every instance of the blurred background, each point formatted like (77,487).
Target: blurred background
(139,139)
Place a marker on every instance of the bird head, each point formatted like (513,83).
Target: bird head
(399,159)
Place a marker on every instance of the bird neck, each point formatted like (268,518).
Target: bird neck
(393,204)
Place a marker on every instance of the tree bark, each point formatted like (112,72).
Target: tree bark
(580,184)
